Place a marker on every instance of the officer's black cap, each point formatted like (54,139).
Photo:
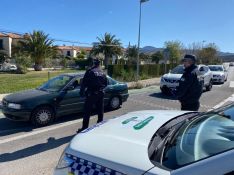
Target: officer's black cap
(96,62)
(191,57)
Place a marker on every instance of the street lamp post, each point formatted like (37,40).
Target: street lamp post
(139,38)
(203,43)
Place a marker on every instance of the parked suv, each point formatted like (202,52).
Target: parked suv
(170,81)
(219,72)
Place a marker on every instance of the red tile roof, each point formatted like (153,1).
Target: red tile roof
(2,35)
(78,48)
(11,35)
(15,36)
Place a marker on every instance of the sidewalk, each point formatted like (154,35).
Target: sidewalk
(144,83)
(131,85)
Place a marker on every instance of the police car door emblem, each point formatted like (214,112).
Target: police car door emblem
(143,123)
(140,124)
(129,120)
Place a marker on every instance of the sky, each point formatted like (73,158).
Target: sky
(188,21)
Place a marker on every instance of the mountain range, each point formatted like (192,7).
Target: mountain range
(226,56)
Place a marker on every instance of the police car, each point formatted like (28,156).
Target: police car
(154,143)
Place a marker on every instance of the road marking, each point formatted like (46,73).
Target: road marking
(231,84)
(40,131)
(229,99)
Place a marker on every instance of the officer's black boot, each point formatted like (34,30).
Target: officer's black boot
(80,130)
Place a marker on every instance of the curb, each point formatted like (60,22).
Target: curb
(144,83)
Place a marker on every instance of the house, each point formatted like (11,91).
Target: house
(7,40)
(72,51)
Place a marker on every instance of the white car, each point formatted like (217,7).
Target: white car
(12,67)
(220,74)
(171,80)
(154,143)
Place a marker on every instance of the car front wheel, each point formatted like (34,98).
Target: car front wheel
(115,103)
(42,116)
(209,86)
(165,90)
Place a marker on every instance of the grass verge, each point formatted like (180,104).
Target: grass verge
(16,82)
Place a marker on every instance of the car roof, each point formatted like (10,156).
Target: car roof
(216,65)
(74,74)
(80,74)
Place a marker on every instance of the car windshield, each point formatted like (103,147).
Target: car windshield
(56,84)
(216,68)
(178,70)
(200,138)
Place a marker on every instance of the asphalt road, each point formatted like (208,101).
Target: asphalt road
(27,150)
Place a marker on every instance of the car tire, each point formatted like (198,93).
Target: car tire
(42,116)
(165,91)
(209,87)
(115,103)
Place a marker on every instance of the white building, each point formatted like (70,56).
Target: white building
(72,51)
(7,40)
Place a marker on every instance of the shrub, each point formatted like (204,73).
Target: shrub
(128,72)
(83,63)
(22,62)
(21,69)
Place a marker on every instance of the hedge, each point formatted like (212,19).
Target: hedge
(83,63)
(128,72)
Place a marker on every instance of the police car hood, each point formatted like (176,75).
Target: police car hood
(172,76)
(123,141)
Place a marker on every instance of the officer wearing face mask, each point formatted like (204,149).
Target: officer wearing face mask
(190,85)
(92,86)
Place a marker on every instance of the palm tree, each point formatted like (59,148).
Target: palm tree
(108,45)
(38,47)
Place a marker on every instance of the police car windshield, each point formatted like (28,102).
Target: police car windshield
(178,70)
(56,84)
(198,138)
(216,68)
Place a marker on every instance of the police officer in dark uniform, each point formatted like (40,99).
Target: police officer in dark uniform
(190,85)
(92,86)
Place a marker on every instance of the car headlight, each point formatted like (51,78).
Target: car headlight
(14,106)
(64,161)
(162,79)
